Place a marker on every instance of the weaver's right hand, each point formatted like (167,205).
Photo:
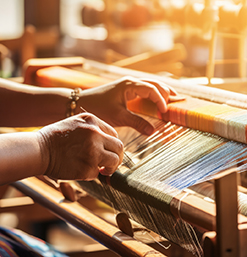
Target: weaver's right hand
(79,148)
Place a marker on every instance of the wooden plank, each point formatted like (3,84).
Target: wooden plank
(33,65)
(77,215)
(155,61)
(194,210)
(227,214)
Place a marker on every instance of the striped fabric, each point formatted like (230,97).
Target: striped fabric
(6,248)
(219,119)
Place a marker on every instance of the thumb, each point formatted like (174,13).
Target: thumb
(138,123)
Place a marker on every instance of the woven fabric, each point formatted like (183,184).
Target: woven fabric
(219,119)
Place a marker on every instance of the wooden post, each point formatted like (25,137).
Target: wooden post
(1,64)
(227,214)
(241,56)
(211,60)
(208,244)
(28,47)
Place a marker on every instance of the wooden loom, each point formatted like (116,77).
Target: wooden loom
(190,206)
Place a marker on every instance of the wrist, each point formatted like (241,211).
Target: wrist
(44,153)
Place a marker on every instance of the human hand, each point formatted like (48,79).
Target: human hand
(79,148)
(109,101)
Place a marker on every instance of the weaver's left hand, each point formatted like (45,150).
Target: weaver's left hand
(109,101)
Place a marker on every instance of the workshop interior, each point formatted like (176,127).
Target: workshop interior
(195,204)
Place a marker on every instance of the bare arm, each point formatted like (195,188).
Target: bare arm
(23,105)
(20,156)
(78,147)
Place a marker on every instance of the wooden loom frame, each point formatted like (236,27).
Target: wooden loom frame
(81,218)
(192,209)
(203,215)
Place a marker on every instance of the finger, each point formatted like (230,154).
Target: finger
(106,128)
(172,91)
(92,119)
(149,91)
(109,163)
(164,89)
(92,173)
(173,95)
(137,122)
(114,145)
(176,98)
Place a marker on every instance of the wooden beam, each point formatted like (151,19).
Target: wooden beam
(77,215)
(226,188)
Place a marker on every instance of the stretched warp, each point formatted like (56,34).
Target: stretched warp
(159,167)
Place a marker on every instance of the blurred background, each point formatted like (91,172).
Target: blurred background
(184,39)
(189,33)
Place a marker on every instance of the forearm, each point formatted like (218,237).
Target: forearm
(20,156)
(23,105)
